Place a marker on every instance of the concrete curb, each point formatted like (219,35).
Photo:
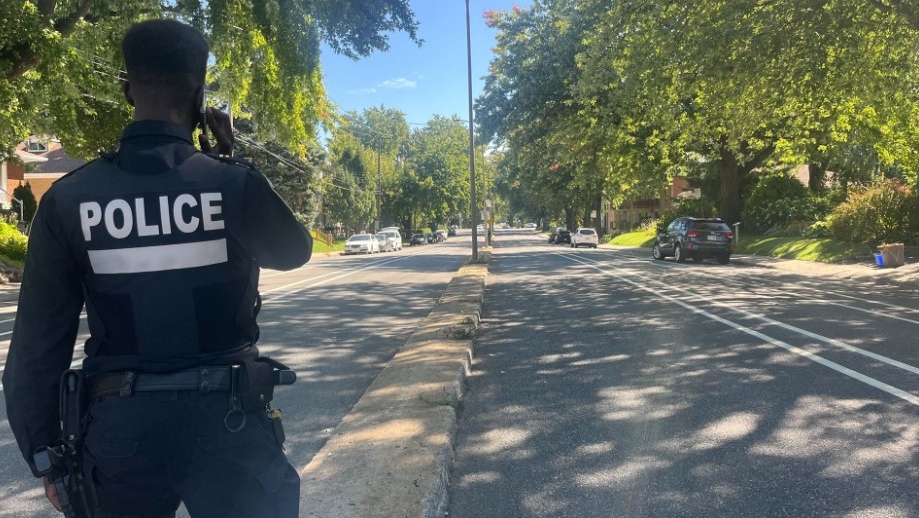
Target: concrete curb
(390,457)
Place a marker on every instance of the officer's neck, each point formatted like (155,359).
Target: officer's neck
(165,114)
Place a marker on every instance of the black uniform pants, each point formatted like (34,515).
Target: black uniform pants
(149,451)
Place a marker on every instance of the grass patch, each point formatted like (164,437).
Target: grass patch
(643,238)
(337,246)
(483,257)
(822,250)
(11,262)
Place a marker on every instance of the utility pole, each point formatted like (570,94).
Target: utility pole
(473,209)
(379,186)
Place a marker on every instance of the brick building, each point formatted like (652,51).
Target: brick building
(39,162)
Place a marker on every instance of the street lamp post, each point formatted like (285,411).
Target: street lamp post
(473,210)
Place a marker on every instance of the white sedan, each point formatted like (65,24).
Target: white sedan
(362,244)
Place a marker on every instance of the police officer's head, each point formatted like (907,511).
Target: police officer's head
(166,62)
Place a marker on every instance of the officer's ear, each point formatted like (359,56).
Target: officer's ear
(126,90)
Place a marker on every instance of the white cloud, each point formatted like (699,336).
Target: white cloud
(363,91)
(399,82)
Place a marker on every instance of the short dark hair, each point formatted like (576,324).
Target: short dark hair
(165,53)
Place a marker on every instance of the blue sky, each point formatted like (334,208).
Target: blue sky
(420,81)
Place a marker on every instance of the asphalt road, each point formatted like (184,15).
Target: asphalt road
(607,384)
(337,321)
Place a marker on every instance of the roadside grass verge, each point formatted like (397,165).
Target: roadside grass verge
(822,250)
(337,246)
(11,262)
(643,238)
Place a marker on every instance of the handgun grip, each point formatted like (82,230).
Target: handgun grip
(285,377)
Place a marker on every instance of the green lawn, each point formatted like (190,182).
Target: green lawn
(321,248)
(823,250)
(11,262)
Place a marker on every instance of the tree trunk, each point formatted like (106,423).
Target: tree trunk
(598,206)
(729,202)
(817,178)
(569,219)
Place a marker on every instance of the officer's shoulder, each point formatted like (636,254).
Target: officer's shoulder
(231,160)
(102,160)
(247,167)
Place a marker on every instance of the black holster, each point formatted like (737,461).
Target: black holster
(257,379)
(252,389)
(62,463)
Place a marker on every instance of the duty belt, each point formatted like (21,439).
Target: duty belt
(125,383)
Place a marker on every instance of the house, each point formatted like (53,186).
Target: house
(632,213)
(39,162)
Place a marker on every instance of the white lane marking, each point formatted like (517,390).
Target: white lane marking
(863,310)
(347,272)
(329,279)
(789,327)
(903,309)
(880,385)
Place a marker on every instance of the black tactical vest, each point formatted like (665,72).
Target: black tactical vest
(167,261)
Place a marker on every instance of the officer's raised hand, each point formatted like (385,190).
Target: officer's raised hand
(220,125)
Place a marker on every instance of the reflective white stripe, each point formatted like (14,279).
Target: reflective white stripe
(159,258)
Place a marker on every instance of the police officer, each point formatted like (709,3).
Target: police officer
(163,245)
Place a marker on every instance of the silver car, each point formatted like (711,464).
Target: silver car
(386,241)
(395,237)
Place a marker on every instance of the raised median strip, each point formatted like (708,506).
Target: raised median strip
(390,456)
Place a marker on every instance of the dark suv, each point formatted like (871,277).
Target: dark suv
(560,235)
(698,238)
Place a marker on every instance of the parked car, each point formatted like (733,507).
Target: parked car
(480,229)
(398,232)
(563,237)
(696,238)
(362,244)
(386,244)
(429,236)
(529,225)
(440,236)
(451,232)
(584,237)
(553,234)
(418,239)
(393,238)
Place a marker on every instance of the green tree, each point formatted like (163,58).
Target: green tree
(346,204)
(384,132)
(347,189)
(438,159)
(744,84)
(26,197)
(295,178)
(60,61)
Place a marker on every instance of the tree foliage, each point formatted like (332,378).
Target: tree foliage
(438,161)
(60,61)
(618,98)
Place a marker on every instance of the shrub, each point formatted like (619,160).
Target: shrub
(781,205)
(13,243)
(883,213)
(29,205)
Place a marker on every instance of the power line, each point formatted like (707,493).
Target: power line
(249,142)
